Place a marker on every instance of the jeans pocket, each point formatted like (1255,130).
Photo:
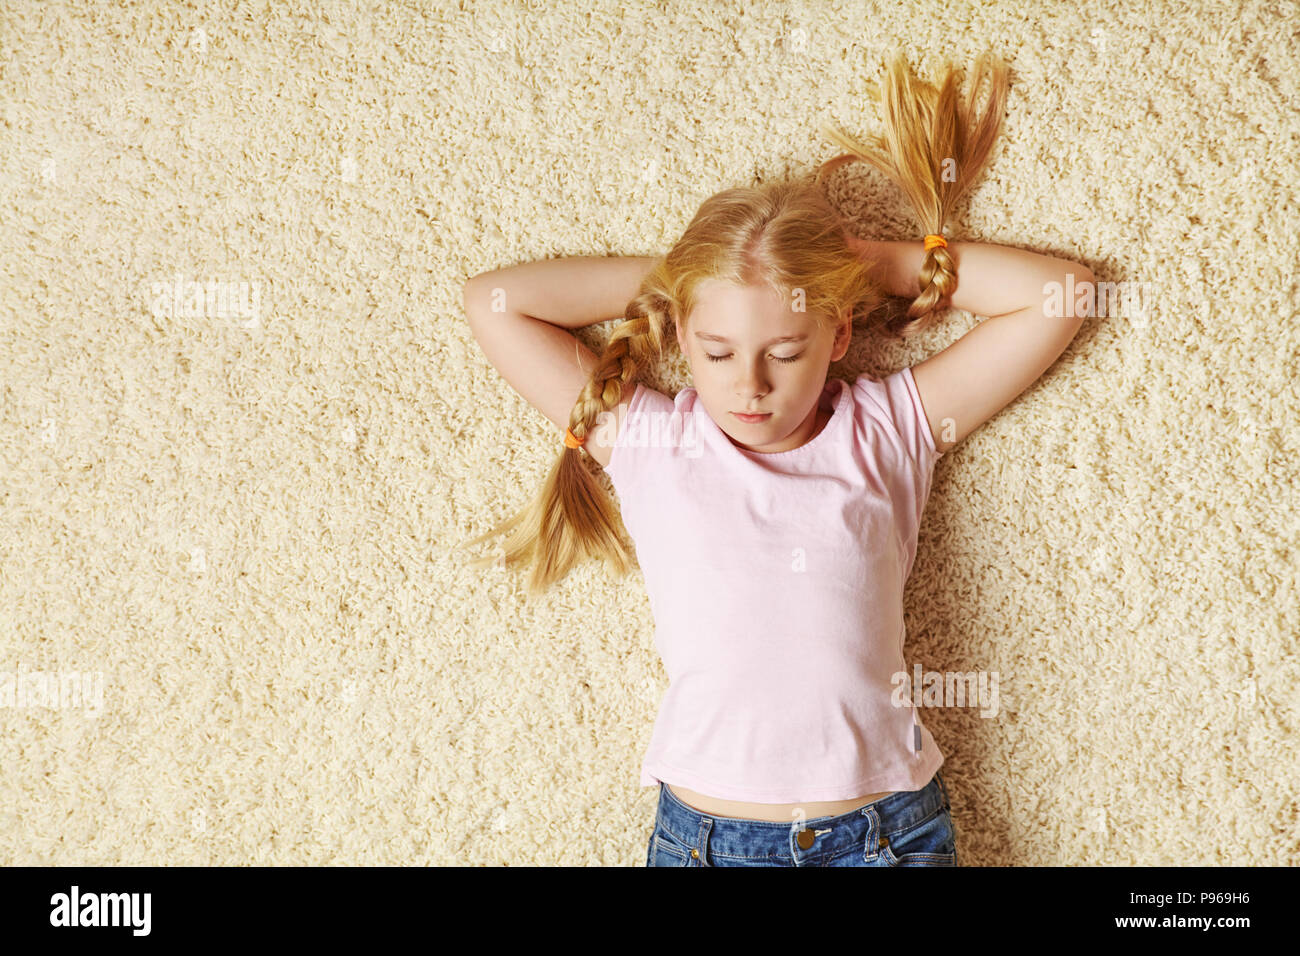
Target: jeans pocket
(667,850)
(929,843)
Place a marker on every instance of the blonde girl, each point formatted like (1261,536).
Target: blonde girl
(774,510)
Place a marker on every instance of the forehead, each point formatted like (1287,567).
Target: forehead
(728,308)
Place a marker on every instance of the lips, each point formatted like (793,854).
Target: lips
(752,419)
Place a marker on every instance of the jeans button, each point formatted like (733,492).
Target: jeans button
(805,839)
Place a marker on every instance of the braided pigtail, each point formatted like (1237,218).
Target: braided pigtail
(933,148)
(571,517)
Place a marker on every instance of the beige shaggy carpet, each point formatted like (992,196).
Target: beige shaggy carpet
(235,629)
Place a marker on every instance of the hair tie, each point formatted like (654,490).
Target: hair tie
(934,240)
(571,441)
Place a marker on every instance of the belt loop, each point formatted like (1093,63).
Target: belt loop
(873,829)
(706,826)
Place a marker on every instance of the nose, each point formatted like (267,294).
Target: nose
(751,384)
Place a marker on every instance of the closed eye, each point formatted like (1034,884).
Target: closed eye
(722,358)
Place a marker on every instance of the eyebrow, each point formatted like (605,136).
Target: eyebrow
(726,341)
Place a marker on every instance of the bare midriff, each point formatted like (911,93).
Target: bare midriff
(772,812)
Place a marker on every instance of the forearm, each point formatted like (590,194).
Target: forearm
(570,293)
(992,280)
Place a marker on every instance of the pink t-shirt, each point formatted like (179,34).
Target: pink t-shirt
(776,584)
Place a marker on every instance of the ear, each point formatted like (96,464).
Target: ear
(843,335)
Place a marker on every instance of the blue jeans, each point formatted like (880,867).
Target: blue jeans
(906,828)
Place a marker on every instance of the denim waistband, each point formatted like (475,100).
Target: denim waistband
(833,834)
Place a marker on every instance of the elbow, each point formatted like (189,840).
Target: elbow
(1070,293)
(471,296)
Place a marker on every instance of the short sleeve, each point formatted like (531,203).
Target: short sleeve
(913,425)
(898,402)
(894,404)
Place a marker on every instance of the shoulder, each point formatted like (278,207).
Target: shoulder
(894,402)
(879,397)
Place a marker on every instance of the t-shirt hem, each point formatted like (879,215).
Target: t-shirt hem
(655,772)
(923,423)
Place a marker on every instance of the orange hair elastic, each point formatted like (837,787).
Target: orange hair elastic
(934,240)
(571,441)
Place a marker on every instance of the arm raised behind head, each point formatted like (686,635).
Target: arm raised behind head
(542,361)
